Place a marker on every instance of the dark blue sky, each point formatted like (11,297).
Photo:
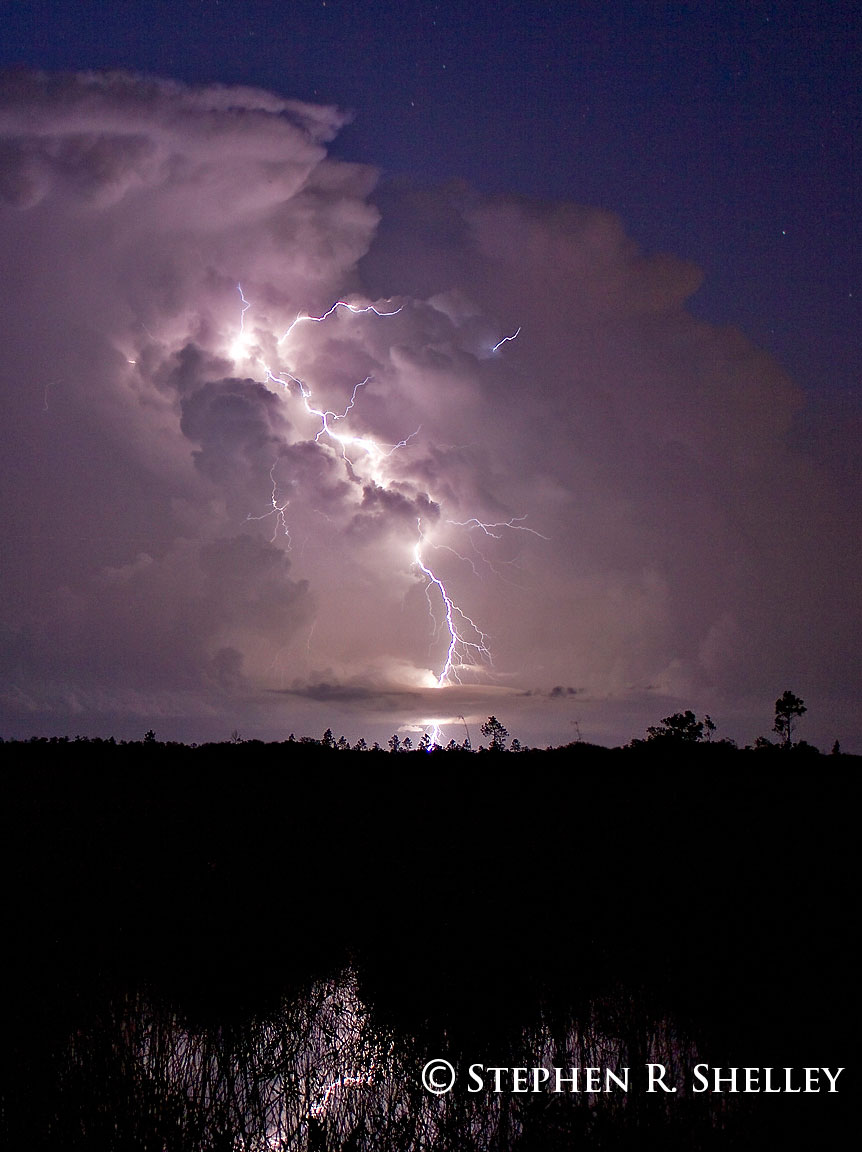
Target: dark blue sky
(724,132)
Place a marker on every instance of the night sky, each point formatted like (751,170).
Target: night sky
(646,501)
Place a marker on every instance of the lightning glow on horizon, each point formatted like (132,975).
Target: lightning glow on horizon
(467,647)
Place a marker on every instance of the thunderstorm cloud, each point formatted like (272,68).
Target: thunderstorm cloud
(227,504)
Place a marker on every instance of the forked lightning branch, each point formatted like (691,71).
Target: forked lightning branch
(466,645)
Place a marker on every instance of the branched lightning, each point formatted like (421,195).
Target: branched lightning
(356,309)
(461,653)
(435,734)
(323,415)
(277,511)
(494,531)
(369,446)
(460,556)
(467,647)
(515,524)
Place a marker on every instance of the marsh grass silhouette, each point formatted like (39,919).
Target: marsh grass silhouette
(204,939)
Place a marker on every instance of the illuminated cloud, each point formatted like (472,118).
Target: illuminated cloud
(213,510)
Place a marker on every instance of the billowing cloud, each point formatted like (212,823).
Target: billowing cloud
(228,500)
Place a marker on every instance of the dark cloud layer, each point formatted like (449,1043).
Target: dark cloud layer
(221,515)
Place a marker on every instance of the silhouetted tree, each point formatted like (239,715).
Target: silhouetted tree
(787,709)
(498,735)
(394,742)
(681,727)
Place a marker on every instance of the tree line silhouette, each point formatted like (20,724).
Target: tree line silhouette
(257,946)
(679,731)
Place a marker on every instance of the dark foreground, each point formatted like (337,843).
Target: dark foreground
(248,946)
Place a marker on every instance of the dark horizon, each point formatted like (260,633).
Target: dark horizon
(298,920)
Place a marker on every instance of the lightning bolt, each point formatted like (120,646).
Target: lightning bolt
(372,449)
(277,511)
(466,645)
(246,304)
(356,309)
(494,531)
(461,653)
(515,524)
(323,415)
(239,348)
(506,339)
(435,734)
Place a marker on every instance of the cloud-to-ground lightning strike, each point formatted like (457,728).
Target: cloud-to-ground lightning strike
(459,648)
(466,644)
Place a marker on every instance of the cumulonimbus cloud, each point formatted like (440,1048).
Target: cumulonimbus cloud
(217,500)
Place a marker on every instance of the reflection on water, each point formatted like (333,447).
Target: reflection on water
(581,911)
(323,1074)
(320,1063)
